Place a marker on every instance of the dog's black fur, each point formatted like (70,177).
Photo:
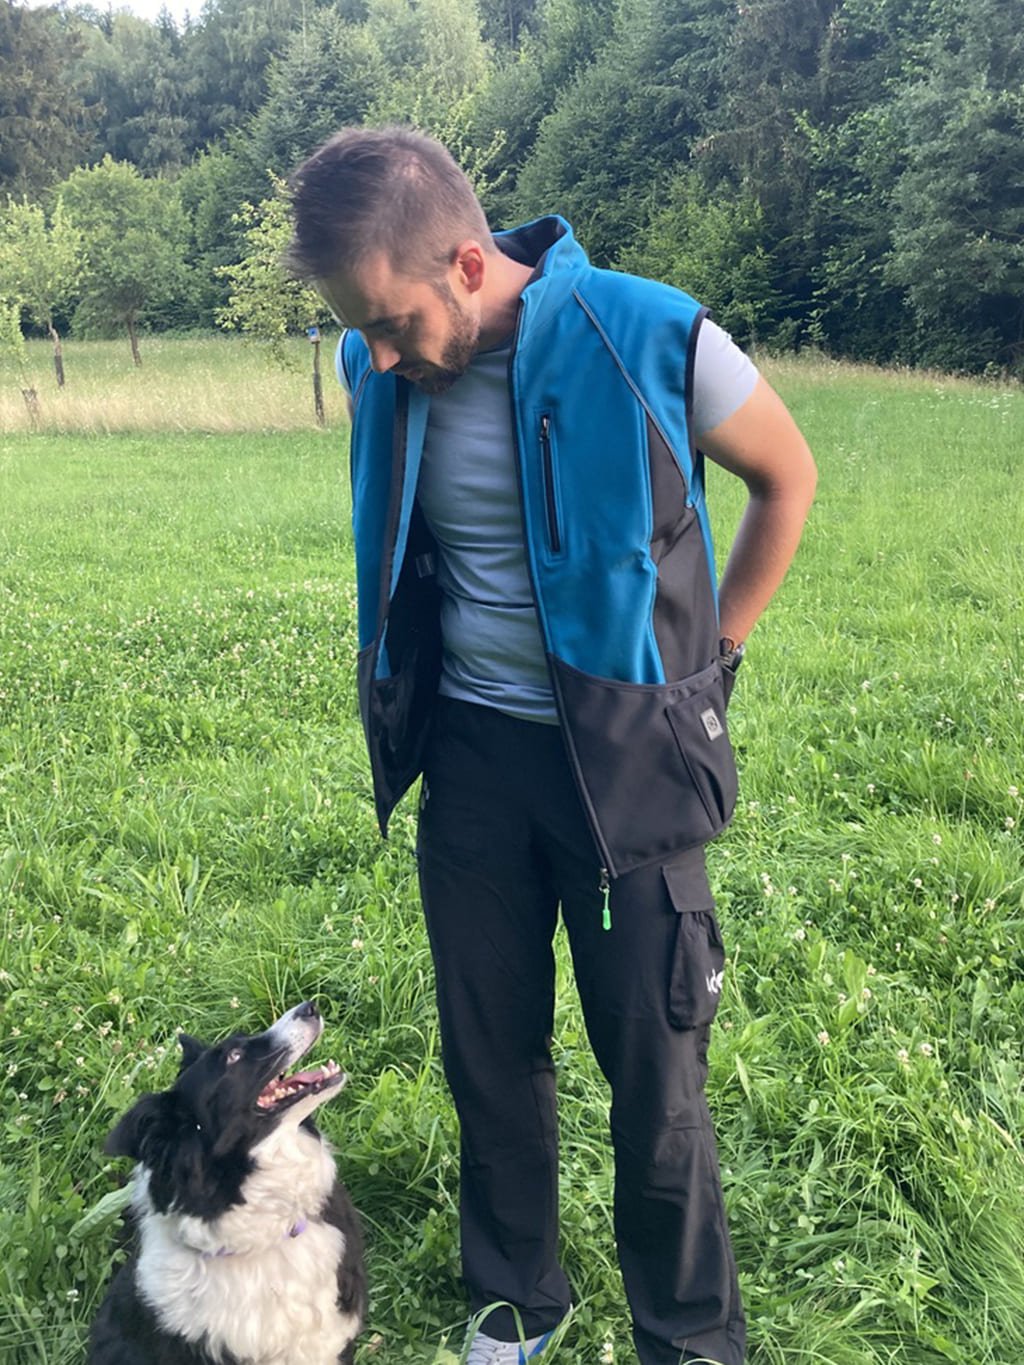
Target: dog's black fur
(235,1187)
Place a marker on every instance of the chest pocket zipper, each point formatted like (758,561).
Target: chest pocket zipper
(550,498)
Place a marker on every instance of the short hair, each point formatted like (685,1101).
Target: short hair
(387,189)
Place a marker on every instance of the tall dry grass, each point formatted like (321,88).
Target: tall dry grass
(202,383)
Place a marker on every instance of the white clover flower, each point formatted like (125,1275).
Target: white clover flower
(904,1056)
(823,1038)
(936,838)
(358,945)
(926,1050)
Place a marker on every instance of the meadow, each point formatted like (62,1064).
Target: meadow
(187,841)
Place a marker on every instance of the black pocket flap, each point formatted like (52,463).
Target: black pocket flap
(687,880)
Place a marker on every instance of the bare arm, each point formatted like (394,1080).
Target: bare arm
(762,445)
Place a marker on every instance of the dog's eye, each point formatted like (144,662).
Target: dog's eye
(235,1055)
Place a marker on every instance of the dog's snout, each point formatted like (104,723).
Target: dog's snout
(307,1010)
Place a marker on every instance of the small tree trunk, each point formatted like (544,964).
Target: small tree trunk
(318,388)
(58,356)
(32,403)
(129,322)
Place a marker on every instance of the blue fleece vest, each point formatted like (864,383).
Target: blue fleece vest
(617,541)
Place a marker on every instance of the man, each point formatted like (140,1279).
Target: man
(540,638)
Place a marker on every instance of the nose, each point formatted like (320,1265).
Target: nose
(383,356)
(307,1010)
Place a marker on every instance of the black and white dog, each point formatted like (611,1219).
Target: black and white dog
(248,1249)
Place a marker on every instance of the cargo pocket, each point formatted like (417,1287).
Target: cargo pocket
(698,965)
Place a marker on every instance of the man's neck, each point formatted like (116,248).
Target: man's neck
(506,280)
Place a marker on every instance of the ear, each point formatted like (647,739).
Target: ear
(191,1050)
(469,260)
(129,1135)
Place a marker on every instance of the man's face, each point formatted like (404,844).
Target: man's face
(416,329)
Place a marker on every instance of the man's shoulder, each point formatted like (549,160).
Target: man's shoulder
(613,293)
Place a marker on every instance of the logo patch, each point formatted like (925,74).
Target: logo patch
(714,982)
(713,727)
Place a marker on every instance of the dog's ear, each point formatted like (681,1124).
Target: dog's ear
(191,1050)
(129,1135)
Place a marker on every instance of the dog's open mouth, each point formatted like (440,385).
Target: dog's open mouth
(285,1090)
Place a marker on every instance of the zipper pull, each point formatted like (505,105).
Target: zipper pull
(606,891)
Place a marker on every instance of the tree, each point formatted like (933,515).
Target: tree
(229,54)
(264,302)
(327,75)
(44,124)
(136,76)
(958,234)
(134,238)
(434,55)
(39,265)
(711,245)
(628,122)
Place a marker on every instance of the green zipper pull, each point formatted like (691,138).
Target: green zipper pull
(605,888)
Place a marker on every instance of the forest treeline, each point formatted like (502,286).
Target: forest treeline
(847,174)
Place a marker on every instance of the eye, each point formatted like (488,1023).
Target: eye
(235,1055)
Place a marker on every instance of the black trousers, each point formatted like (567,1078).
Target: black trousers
(502,843)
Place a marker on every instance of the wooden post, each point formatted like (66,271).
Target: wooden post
(318,389)
(58,356)
(130,324)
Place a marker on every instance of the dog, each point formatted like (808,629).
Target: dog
(248,1250)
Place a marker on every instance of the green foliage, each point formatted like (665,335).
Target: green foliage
(12,341)
(264,302)
(136,75)
(958,246)
(44,123)
(327,76)
(434,55)
(134,233)
(627,122)
(711,245)
(39,260)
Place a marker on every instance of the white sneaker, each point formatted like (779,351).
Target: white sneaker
(487,1350)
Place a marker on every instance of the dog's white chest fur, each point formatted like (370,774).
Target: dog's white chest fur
(261,1281)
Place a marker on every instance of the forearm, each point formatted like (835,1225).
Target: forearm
(761,444)
(762,551)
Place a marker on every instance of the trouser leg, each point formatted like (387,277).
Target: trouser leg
(673,1241)
(502,840)
(490,916)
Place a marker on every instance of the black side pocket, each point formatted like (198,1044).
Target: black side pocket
(695,983)
(698,723)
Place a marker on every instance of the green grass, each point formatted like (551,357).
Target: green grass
(187,841)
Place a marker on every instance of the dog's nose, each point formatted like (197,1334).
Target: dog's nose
(307,1010)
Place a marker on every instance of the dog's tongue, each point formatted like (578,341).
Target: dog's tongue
(283,1086)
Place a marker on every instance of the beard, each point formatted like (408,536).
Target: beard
(458,352)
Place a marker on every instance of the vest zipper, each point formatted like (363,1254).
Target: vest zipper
(607,863)
(548,469)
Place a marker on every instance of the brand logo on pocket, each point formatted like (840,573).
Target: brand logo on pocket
(714,982)
(713,727)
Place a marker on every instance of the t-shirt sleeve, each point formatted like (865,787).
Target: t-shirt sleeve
(723,377)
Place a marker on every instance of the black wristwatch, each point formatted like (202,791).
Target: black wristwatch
(730,654)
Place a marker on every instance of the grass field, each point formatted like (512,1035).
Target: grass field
(187,841)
